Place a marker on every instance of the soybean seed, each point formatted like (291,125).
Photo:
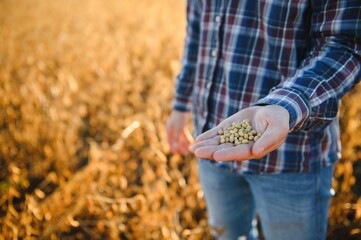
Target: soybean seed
(238,133)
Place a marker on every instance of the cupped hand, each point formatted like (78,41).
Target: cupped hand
(178,136)
(271,121)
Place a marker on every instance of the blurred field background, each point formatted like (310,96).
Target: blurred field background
(85,89)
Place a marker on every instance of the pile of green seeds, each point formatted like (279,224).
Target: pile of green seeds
(239,133)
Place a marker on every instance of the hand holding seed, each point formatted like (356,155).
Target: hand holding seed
(264,131)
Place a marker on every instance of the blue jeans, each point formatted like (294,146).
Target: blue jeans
(290,205)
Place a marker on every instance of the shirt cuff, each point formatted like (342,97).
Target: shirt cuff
(182,104)
(293,101)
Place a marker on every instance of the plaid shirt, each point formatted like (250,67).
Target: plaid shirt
(303,55)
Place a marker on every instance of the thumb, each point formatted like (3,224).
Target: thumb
(271,139)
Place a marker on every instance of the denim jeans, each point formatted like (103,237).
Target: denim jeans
(290,205)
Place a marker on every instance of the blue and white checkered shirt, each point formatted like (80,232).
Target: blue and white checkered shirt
(303,55)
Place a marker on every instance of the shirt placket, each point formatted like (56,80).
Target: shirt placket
(216,22)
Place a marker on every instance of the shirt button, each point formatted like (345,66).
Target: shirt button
(214,53)
(218,19)
(208,85)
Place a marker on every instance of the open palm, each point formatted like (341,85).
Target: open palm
(271,120)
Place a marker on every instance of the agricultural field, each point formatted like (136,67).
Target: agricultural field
(85,91)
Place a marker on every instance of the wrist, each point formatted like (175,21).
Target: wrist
(292,101)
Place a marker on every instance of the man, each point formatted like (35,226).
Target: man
(284,65)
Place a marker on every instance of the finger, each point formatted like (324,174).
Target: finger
(184,143)
(170,137)
(208,134)
(208,151)
(183,149)
(207,142)
(188,136)
(270,140)
(240,152)
(173,138)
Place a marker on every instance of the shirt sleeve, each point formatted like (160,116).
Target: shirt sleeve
(185,79)
(330,70)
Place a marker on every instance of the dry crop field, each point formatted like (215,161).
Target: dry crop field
(85,90)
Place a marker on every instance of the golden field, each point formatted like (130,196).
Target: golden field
(85,90)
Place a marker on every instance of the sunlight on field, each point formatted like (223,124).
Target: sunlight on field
(85,90)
